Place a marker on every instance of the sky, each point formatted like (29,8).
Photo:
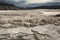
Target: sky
(30,3)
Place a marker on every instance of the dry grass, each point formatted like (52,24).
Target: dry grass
(28,20)
(29,26)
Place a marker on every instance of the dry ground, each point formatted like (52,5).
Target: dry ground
(29,25)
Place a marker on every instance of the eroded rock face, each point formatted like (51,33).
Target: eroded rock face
(29,26)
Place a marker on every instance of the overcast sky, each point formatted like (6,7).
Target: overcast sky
(28,3)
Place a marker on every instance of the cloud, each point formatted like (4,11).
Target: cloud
(31,3)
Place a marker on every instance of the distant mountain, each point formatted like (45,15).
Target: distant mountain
(32,3)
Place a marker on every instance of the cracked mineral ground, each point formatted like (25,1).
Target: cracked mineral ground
(29,26)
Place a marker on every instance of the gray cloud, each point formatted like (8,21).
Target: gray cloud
(30,3)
